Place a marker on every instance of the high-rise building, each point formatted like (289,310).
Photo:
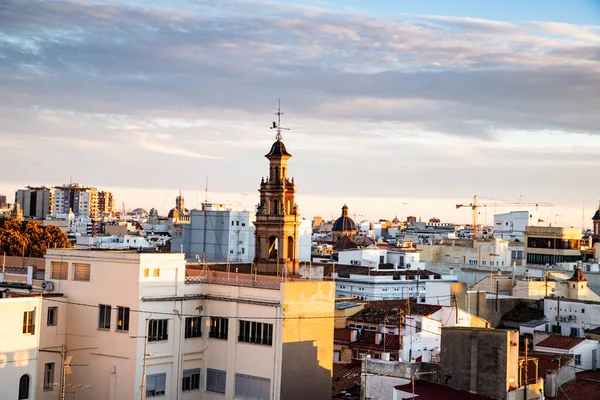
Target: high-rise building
(36,202)
(83,201)
(106,202)
(277,214)
(3,203)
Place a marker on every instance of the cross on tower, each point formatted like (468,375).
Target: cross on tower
(277,124)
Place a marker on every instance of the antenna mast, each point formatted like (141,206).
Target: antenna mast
(277,124)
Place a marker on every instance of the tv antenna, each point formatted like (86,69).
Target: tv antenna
(277,124)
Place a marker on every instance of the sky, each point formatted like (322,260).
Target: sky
(394,107)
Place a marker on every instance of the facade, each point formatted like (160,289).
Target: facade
(106,203)
(397,258)
(511,226)
(32,347)
(83,201)
(277,217)
(398,331)
(571,317)
(369,285)
(214,336)
(552,245)
(479,360)
(36,202)
(584,351)
(492,252)
(216,234)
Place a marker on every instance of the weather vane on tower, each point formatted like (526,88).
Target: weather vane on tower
(277,124)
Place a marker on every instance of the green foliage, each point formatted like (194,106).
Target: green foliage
(29,238)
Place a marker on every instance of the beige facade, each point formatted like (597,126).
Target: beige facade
(551,245)
(486,252)
(212,334)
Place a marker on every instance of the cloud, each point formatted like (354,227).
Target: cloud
(193,86)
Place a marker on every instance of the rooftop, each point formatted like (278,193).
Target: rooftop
(377,312)
(367,340)
(346,380)
(343,305)
(560,342)
(580,389)
(344,271)
(432,391)
(525,311)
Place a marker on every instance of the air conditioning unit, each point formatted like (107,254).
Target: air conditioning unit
(48,286)
(385,356)
(572,317)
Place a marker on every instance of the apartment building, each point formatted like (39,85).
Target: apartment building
(205,335)
(83,201)
(36,202)
(216,234)
(552,245)
(106,203)
(31,349)
(492,252)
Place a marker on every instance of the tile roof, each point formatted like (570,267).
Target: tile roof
(580,389)
(578,276)
(366,340)
(434,391)
(376,312)
(545,362)
(560,342)
(346,378)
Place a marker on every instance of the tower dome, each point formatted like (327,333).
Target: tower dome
(344,223)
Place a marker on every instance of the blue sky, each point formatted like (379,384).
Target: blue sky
(426,103)
(571,11)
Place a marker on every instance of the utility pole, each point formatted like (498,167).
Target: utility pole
(400,327)
(145,337)
(526,348)
(455,309)
(67,364)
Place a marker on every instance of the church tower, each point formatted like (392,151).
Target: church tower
(276,235)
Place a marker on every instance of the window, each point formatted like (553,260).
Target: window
(59,270)
(24,387)
(29,322)
(256,332)
(218,328)
(146,272)
(156,272)
(52,316)
(157,330)
(574,332)
(583,310)
(577,359)
(252,387)
(123,319)
(155,385)
(215,380)
(81,272)
(48,377)
(191,380)
(193,327)
(418,326)
(104,316)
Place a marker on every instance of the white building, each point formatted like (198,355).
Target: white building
(31,349)
(399,258)
(121,242)
(571,317)
(305,241)
(216,234)
(511,226)
(83,201)
(372,285)
(217,336)
(584,351)
(421,330)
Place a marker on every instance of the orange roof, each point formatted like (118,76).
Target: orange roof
(560,342)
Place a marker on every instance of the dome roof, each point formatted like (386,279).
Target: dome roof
(278,150)
(139,211)
(173,213)
(344,223)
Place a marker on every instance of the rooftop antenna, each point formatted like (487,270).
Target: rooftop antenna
(277,124)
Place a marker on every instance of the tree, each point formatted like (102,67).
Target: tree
(29,238)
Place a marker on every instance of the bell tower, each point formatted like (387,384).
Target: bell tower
(276,234)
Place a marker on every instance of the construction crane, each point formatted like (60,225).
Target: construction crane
(475,205)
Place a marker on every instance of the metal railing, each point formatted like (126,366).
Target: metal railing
(233,282)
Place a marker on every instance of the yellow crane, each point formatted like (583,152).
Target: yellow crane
(475,205)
